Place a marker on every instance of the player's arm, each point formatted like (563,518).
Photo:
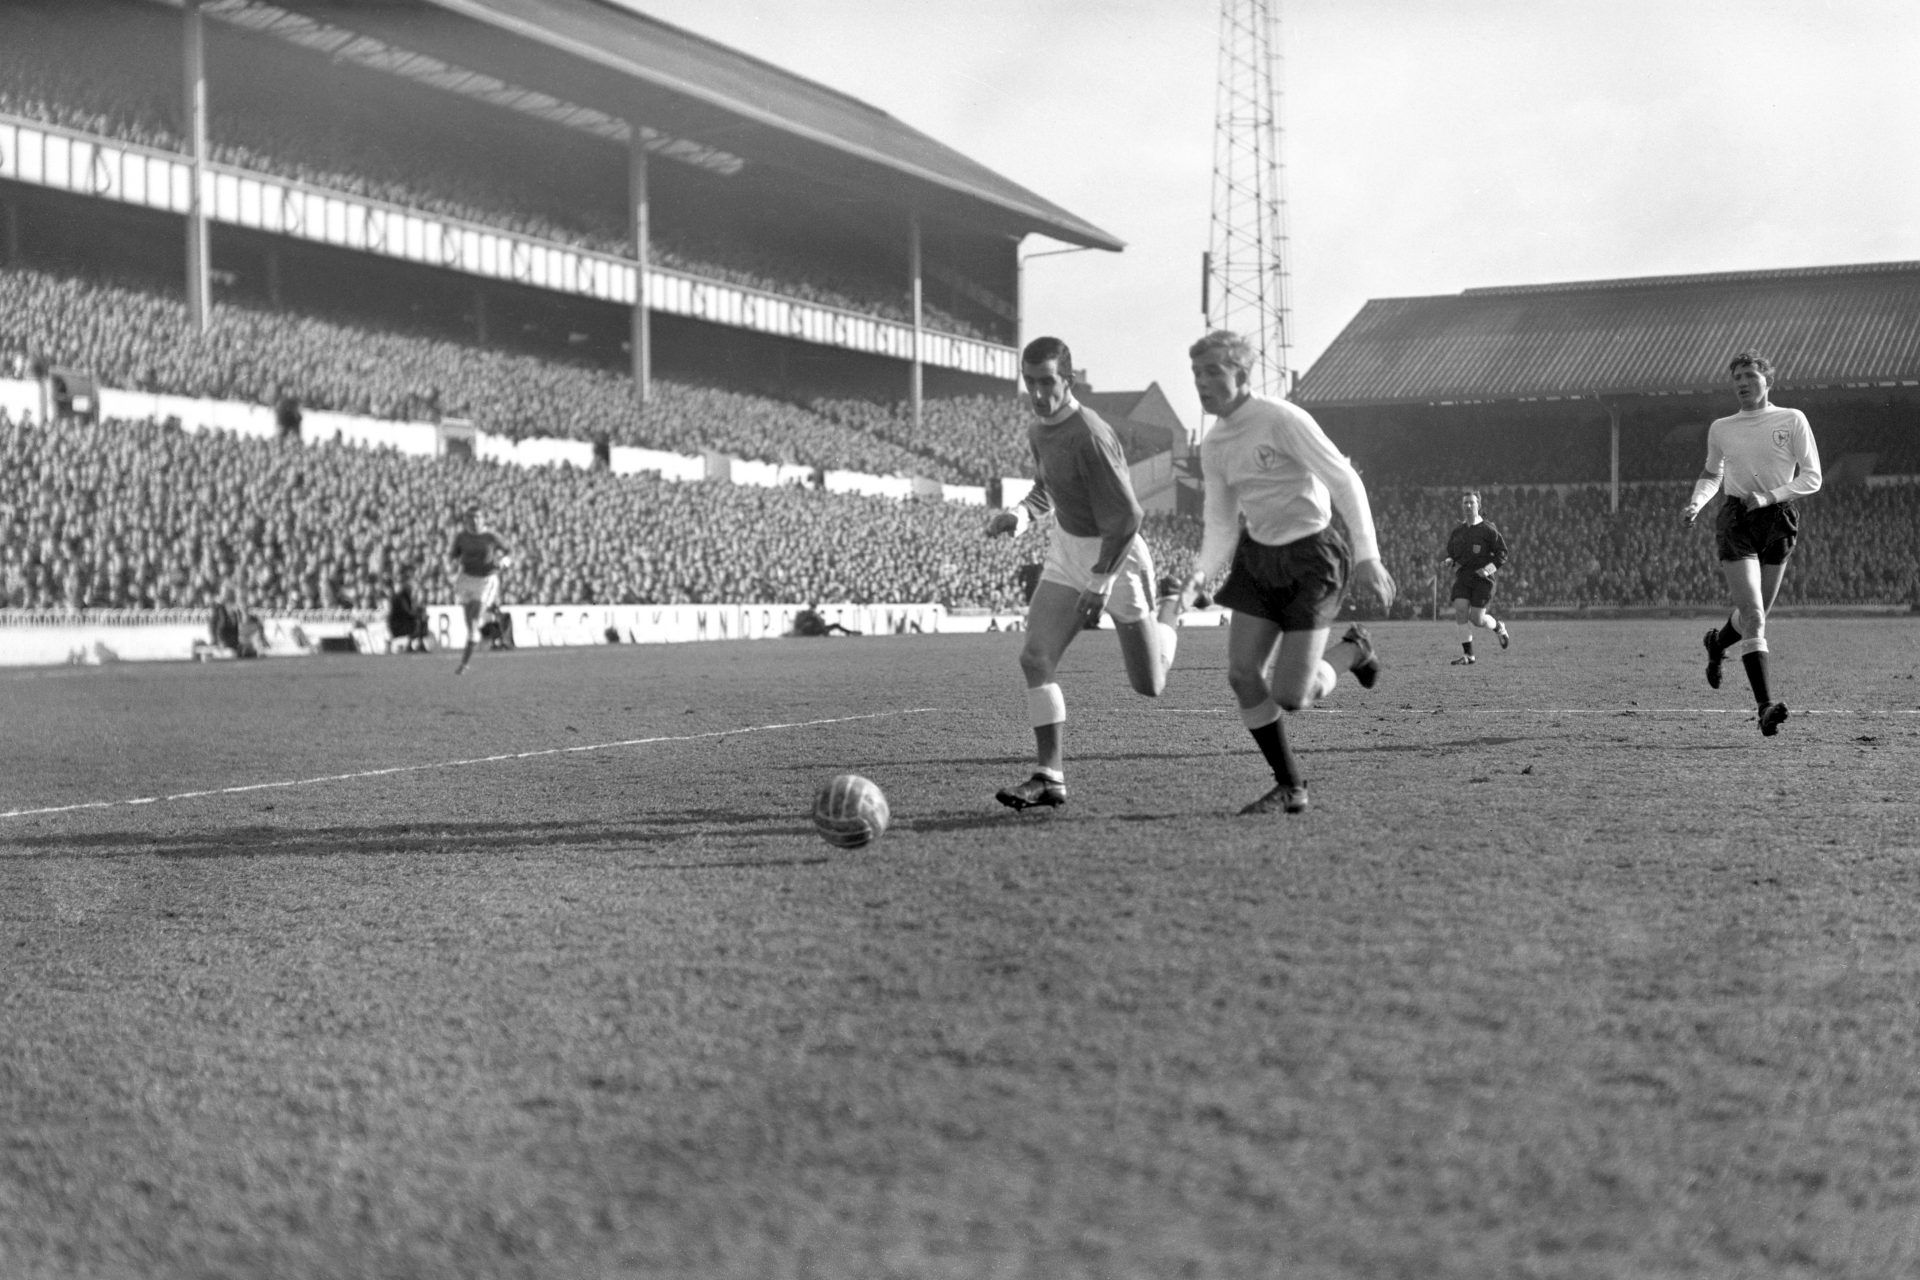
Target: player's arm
(1015,519)
(1709,482)
(1220,530)
(1336,471)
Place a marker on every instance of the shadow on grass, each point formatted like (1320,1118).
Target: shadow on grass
(424,838)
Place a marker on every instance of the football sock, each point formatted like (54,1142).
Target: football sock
(1271,738)
(1756,665)
(1729,635)
(1466,647)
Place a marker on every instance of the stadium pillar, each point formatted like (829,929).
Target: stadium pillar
(913,269)
(1613,423)
(195,114)
(641,338)
(9,232)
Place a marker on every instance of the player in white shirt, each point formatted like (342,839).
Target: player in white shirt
(1273,481)
(1763,457)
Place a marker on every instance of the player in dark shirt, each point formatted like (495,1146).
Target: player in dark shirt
(1096,562)
(1476,551)
(479,554)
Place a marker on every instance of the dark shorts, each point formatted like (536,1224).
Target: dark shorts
(1298,585)
(1766,532)
(1474,589)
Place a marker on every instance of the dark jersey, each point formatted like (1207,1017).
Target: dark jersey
(478,552)
(1472,547)
(1082,477)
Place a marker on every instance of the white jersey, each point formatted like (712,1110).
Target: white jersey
(1768,451)
(1270,462)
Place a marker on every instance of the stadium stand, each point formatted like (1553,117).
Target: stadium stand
(97,517)
(276,116)
(140,338)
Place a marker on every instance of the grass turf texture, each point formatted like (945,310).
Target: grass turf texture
(1569,973)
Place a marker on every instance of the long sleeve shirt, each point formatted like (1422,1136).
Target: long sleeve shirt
(1081,476)
(1766,451)
(1270,463)
(1472,547)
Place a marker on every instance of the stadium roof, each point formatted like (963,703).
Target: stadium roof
(1821,326)
(594,64)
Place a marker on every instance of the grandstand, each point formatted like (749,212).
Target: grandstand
(535,223)
(1615,381)
(568,226)
(566,180)
(1585,406)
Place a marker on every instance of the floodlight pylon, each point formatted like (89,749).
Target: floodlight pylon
(1244,279)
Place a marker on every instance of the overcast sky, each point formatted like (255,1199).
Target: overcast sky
(1431,145)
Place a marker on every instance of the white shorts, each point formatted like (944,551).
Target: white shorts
(1070,561)
(484,592)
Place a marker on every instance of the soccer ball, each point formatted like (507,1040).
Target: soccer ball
(850,812)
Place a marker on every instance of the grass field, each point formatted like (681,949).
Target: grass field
(350,968)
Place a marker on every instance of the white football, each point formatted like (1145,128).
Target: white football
(850,812)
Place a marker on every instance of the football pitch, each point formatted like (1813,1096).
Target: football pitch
(348,967)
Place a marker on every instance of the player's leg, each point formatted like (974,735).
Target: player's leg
(1717,641)
(1463,626)
(1354,652)
(1771,576)
(1746,587)
(1053,620)
(1251,645)
(1147,644)
(1773,713)
(470,610)
(1481,616)
(1301,674)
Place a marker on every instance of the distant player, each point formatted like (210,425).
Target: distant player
(1095,561)
(1273,481)
(1764,457)
(479,554)
(1476,552)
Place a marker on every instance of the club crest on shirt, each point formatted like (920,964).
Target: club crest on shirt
(1267,456)
(1782,438)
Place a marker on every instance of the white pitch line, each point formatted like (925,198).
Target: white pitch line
(1747,712)
(458,764)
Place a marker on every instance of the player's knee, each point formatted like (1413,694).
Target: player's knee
(1036,666)
(1248,684)
(1752,619)
(1149,684)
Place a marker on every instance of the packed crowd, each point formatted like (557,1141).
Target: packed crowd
(1553,452)
(267,115)
(133,515)
(1859,545)
(970,435)
(133,337)
(145,515)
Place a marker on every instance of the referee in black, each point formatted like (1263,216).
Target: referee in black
(1476,551)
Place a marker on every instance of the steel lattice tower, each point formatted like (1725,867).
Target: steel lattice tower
(1245,281)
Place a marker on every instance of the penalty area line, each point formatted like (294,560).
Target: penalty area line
(460,764)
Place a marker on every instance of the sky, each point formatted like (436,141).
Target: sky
(1429,146)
